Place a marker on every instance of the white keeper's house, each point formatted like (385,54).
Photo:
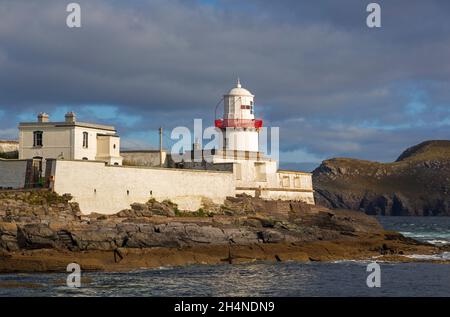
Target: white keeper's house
(68,140)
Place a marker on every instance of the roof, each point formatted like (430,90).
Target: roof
(67,124)
(294,172)
(142,151)
(239,91)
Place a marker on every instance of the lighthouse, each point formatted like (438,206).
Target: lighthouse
(239,126)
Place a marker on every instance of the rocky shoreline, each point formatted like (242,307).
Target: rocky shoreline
(43,232)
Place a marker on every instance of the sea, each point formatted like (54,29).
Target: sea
(287,279)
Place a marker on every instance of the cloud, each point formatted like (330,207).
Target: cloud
(332,85)
(8,134)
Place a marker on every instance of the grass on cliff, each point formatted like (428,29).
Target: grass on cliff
(408,174)
(198,213)
(427,151)
(44,197)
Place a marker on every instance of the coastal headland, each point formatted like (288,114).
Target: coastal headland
(416,184)
(41,231)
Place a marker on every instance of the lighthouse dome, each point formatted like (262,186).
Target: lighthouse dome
(239,91)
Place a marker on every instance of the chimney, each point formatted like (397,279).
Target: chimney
(70,117)
(42,117)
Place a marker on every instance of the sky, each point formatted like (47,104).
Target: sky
(335,87)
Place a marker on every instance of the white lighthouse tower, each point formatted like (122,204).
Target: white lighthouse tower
(239,126)
(254,173)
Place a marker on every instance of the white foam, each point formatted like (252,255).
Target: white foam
(438,242)
(442,256)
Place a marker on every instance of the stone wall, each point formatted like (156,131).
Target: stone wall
(12,173)
(109,189)
(150,158)
(37,206)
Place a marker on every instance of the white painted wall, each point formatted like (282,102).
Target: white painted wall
(233,109)
(241,140)
(307,197)
(296,180)
(108,149)
(296,185)
(88,152)
(12,173)
(66,142)
(57,142)
(103,189)
(246,171)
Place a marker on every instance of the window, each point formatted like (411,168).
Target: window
(85,140)
(238,171)
(260,172)
(37,138)
(85,159)
(297,182)
(285,181)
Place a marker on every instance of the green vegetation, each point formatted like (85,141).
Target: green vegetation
(9,155)
(426,151)
(198,213)
(45,197)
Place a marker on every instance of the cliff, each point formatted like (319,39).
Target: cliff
(416,184)
(41,231)
(9,149)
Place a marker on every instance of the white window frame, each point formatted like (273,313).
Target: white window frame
(85,140)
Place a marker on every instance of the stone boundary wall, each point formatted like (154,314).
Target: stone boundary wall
(13,173)
(109,189)
(150,158)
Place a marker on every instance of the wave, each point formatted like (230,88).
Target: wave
(436,238)
(441,256)
(438,242)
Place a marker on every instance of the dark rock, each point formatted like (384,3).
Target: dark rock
(271,236)
(36,236)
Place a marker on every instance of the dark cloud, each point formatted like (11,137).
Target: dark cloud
(334,86)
